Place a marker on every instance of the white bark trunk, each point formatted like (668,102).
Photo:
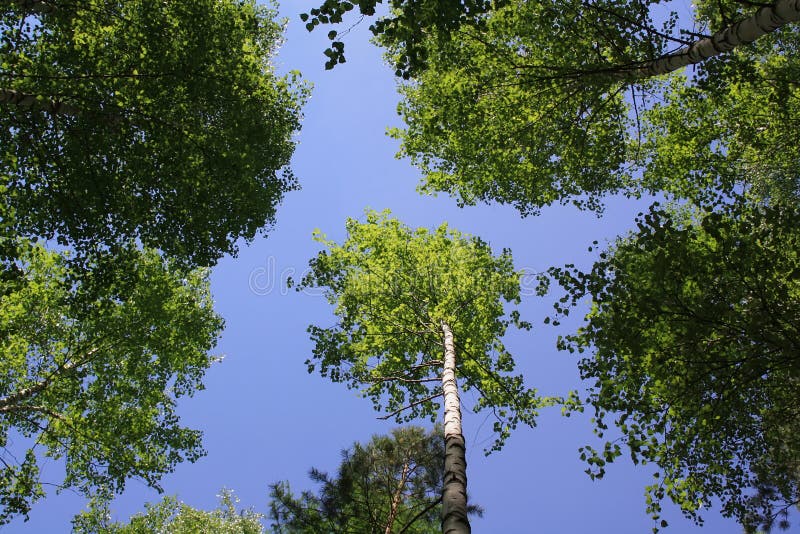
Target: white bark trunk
(454,492)
(764,21)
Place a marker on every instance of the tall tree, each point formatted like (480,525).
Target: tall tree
(531,103)
(409,24)
(556,102)
(393,484)
(91,370)
(172,517)
(694,335)
(162,122)
(417,309)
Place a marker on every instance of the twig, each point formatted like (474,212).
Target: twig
(416,403)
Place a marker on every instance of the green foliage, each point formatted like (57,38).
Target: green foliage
(696,356)
(405,468)
(149,120)
(546,103)
(405,25)
(172,517)
(91,369)
(392,287)
(732,125)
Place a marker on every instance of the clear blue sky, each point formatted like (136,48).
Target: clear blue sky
(265,419)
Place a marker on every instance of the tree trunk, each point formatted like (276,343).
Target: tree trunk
(765,20)
(396,498)
(454,491)
(12,401)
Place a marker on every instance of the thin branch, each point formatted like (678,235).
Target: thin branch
(637,23)
(408,406)
(420,514)
(32,408)
(403,379)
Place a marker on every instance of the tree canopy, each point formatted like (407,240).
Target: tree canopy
(173,517)
(392,286)
(695,356)
(393,484)
(569,101)
(419,310)
(157,121)
(92,370)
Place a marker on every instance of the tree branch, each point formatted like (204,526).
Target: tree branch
(406,407)
(7,402)
(420,514)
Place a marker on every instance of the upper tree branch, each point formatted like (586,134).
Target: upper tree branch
(765,20)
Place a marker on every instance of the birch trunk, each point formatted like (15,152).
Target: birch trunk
(12,401)
(454,492)
(766,20)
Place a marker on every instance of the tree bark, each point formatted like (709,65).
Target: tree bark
(766,20)
(454,492)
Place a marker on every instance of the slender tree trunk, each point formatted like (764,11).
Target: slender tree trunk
(454,492)
(766,20)
(398,495)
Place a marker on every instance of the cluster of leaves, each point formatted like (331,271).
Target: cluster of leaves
(731,125)
(695,340)
(391,484)
(553,102)
(172,517)
(392,288)
(91,368)
(405,26)
(694,318)
(144,138)
(119,120)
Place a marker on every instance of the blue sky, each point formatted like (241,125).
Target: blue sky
(265,419)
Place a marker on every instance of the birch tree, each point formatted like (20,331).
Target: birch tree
(692,349)
(567,101)
(91,370)
(418,311)
(158,121)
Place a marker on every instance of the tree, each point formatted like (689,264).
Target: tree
(172,517)
(564,101)
(531,103)
(695,355)
(393,484)
(408,302)
(144,120)
(409,24)
(91,370)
